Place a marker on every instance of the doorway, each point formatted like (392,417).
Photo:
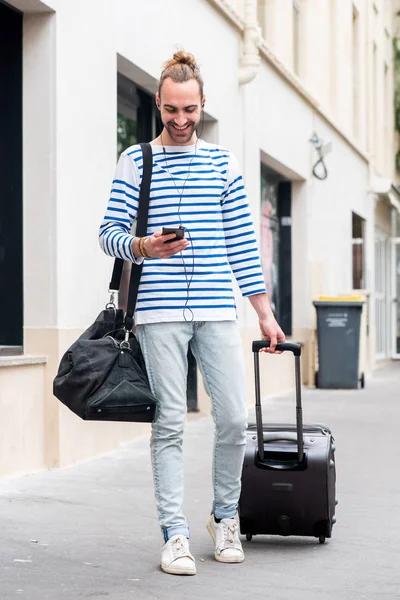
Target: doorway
(396,298)
(11,258)
(382,294)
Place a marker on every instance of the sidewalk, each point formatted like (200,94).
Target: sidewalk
(90,531)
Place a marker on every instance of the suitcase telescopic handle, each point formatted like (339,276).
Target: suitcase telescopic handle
(284,346)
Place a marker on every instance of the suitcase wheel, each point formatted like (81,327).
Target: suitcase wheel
(249,537)
(362,380)
(321,539)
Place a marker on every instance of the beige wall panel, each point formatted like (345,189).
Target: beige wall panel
(22,418)
(79,439)
(45,342)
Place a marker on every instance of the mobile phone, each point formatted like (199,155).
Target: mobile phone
(178,231)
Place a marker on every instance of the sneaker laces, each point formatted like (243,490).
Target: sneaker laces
(179,549)
(230,532)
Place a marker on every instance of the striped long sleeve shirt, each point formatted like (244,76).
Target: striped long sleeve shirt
(200,187)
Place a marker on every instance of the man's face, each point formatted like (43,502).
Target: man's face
(180,105)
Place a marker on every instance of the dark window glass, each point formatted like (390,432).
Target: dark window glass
(269,243)
(11,255)
(397,263)
(127,132)
(127,117)
(275,244)
(137,117)
(358,243)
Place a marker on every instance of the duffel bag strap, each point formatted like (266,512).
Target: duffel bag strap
(141,226)
(141,230)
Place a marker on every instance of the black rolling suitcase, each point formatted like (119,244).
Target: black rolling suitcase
(288,478)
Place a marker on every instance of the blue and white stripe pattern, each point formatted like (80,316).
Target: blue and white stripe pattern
(216,214)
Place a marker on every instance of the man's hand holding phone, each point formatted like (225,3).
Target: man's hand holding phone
(164,245)
(179,233)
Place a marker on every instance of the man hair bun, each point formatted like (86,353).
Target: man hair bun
(182,58)
(180,68)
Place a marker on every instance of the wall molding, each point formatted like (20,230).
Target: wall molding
(225,8)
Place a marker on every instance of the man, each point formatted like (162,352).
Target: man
(186,298)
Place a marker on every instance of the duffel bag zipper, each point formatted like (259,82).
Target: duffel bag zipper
(132,408)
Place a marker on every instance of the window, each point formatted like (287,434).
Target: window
(387,101)
(375,125)
(397,297)
(388,46)
(137,122)
(333,54)
(358,242)
(269,240)
(382,286)
(356,71)
(296,37)
(261,17)
(137,117)
(11,211)
(275,244)
(128,103)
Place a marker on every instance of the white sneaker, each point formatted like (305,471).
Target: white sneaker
(228,547)
(176,558)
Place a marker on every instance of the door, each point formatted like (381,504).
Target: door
(382,295)
(11,257)
(396,299)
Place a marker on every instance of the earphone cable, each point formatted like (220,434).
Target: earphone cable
(180,194)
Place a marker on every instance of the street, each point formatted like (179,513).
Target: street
(90,531)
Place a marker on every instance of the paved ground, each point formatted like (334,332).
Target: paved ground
(90,531)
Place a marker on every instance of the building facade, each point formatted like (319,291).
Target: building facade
(301,91)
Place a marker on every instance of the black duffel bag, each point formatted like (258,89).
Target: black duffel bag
(102,376)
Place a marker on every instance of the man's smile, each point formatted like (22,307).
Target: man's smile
(181,128)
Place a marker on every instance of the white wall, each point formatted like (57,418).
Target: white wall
(39,170)
(213,41)
(267,116)
(333,200)
(70,103)
(89,36)
(86,153)
(282,121)
(76,135)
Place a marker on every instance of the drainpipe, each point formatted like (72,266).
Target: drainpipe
(250,59)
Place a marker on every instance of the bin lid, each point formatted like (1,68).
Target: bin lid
(339,301)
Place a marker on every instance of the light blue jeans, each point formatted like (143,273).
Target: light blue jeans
(217,348)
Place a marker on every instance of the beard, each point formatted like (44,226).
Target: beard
(181,137)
